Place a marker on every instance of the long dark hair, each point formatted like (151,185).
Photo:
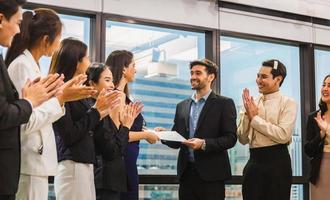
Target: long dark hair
(117,60)
(35,25)
(94,72)
(323,106)
(66,58)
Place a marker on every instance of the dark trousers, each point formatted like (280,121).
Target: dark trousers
(130,195)
(192,187)
(7,197)
(268,174)
(102,194)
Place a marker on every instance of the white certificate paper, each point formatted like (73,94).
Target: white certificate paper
(168,135)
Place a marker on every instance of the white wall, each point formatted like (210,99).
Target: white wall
(206,14)
(315,8)
(90,5)
(191,12)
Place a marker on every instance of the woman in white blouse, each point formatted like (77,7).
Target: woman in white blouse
(40,36)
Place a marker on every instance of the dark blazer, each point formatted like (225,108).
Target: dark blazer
(74,132)
(111,144)
(13,113)
(314,147)
(217,125)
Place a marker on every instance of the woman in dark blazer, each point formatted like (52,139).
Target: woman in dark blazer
(74,136)
(122,66)
(318,145)
(111,139)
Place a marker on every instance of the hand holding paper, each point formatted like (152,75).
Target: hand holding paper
(168,135)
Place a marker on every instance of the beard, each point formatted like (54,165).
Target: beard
(198,84)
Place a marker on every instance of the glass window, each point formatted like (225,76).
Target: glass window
(158,192)
(322,60)
(162,59)
(240,62)
(73,26)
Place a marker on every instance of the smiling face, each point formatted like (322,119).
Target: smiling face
(325,90)
(267,84)
(105,81)
(9,27)
(200,78)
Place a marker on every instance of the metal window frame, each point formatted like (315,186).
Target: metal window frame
(212,51)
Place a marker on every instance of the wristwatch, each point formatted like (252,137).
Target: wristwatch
(203,146)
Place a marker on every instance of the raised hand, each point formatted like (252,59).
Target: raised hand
(249,105)
(40,90)
(137,108)
(126,116)
(107,101)
(322,123)
(74,90)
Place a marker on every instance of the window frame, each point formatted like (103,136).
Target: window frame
(212,51)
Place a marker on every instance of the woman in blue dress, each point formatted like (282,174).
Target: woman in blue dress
(122,66)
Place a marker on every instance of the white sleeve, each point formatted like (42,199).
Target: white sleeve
(19,73)
(47,113)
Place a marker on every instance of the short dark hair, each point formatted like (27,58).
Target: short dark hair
(66,58)
(117,61)
(94,72)
(9,7)
(323,106)
(211,67)
(34,26)
(278,69)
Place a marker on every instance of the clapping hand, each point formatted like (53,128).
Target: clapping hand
(249,105)
(107,101)
(322,123)
(74,90)
(41,89)
(127,116)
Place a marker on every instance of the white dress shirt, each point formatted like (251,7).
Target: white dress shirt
(39,129)
(274,123)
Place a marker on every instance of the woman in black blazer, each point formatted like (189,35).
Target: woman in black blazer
(110,140)
(318,145)
(74,135)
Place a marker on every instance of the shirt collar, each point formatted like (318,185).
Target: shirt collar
(273,95)
(203,97)
(29,56)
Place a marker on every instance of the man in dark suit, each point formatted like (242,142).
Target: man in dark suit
(208,121)
(14,111)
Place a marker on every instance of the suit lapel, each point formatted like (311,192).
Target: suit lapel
(186,113)
(87,103)
(207,106)
(8,84)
